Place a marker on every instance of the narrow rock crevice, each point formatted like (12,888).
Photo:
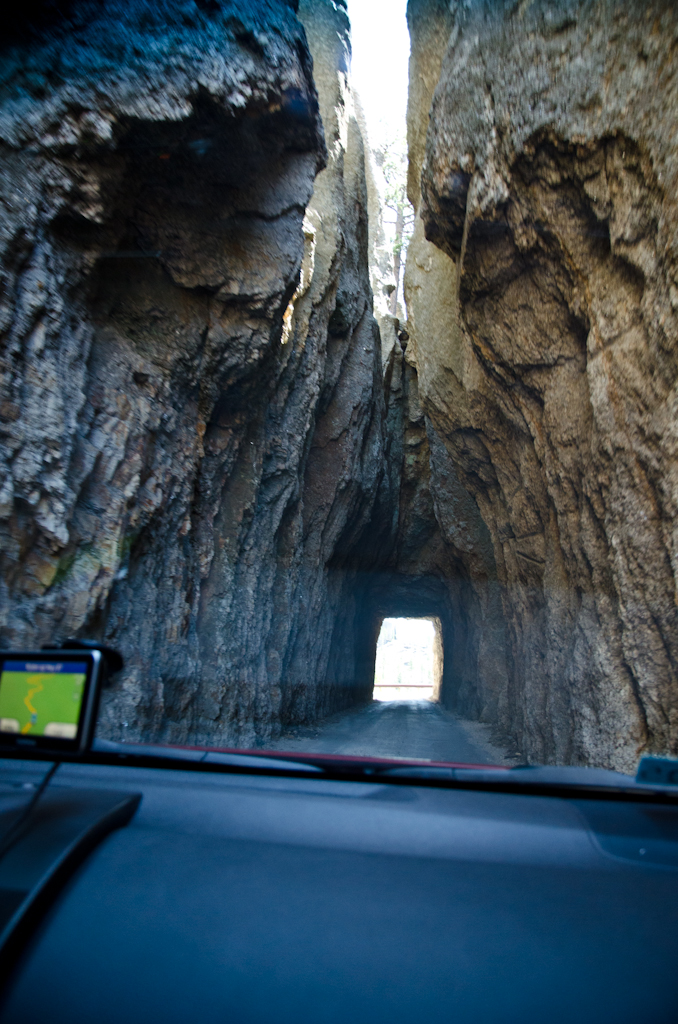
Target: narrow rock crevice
(215,458)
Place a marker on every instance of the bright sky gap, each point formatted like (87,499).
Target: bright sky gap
(381,50)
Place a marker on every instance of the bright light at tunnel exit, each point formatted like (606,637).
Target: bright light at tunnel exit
(405,662)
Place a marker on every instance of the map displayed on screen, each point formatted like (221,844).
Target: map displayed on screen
(41,698)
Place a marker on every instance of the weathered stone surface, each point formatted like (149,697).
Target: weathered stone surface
(430,23)
(214,460)
(549,366)
(192,399)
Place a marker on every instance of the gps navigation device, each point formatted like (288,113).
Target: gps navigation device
(48,700)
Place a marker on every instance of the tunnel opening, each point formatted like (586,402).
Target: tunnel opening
(409,659)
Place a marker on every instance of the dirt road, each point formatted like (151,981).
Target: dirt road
(407,728)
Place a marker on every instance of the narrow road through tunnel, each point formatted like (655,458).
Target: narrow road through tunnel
(398,729)
(407,625)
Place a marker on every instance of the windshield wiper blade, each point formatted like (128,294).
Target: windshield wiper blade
(551,780)
(594,783)
(200,755)
(265,761)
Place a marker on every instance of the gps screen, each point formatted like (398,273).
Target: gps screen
(42,698)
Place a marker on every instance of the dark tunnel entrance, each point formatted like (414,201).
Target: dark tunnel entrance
(386,595)
(444,724)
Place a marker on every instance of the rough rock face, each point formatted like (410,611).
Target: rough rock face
(443,564)
(192,402)
(545,323)
(212,459)
(425,552)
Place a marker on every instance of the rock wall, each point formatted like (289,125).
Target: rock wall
(192,402)
(212,458)
(543,303)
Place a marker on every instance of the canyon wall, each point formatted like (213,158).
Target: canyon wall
(542,292)
(213,459)
(192,404)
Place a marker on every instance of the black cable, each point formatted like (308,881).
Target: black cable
(22,820)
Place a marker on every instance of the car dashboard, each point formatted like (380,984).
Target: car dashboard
(249,896)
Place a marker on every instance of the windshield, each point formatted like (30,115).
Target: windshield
(339,358)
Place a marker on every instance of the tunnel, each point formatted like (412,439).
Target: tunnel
(409,662)
(471,633)
(392,595)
